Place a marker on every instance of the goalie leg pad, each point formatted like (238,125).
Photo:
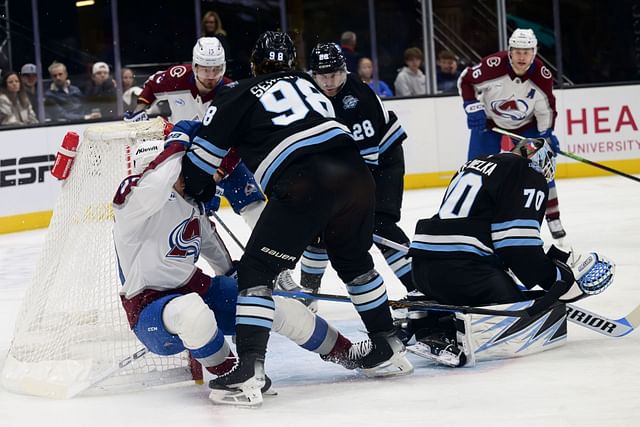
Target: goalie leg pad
(296,322)
(241,188)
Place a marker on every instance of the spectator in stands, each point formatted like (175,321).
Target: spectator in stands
(411,80)
(130,91)
(365,71)
(348,41)
(447,73)
(212,27)
(100,92)
(15,108)
(29,80)
(63,101)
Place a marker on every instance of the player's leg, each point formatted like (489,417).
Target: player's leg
(313,264)
(482,143)
(244,194)
(389,179)
(174,322)
(348,237)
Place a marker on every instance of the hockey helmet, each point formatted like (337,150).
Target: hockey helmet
(523,39)
(208,52)
(541,155)
(276,47)
(327,58)
(144,153)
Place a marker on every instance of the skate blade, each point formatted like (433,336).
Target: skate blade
(424,351)
(240,398)
(396,366)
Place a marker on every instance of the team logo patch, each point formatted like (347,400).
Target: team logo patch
(184,240)
(178,71)
(512,109)
(493,61)
(349,102)
(545,72)
(249,189)
(179,101)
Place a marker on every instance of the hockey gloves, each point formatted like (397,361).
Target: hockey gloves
(552,140)
(476,117)
(137,116)
(592,273)
(183,133)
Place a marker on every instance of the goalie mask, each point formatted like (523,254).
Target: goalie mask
(209,57)
(329,68)
(144,153)
(542,157)
(274,51)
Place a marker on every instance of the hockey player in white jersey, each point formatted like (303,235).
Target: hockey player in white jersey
(161,229)
(512,90)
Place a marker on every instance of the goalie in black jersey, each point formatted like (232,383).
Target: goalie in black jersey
(487,231)
(307,164)
(379,137)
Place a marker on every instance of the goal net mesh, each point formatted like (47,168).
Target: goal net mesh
(71,328)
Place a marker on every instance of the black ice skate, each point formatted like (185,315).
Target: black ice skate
(386,357)
(438,347)
(242,386)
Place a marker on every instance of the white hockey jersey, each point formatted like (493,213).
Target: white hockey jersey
(158,234)
(511,102)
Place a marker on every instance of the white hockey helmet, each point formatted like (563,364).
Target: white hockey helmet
(208,52)
(144,153)
(542,157)
(524,39)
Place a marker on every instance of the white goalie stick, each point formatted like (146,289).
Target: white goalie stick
(588,319)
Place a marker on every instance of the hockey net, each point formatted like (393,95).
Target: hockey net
(71,330)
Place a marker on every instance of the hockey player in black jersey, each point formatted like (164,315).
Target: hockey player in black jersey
(307,164)
(379,137)
(488,229)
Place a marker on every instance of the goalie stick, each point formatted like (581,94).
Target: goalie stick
(588,319)
(572,156)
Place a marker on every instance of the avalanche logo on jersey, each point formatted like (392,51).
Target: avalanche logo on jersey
(513,109)
(349,102)
(178,71)
(185,240)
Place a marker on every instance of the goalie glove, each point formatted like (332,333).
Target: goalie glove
(592,274)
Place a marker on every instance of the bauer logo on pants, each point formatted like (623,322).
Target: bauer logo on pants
(277,254)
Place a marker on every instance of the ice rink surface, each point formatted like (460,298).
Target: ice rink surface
(593,380)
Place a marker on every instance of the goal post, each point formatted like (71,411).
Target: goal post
(71,328)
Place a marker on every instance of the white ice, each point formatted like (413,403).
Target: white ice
(593,380)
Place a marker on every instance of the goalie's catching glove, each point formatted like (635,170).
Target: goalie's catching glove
(592,273)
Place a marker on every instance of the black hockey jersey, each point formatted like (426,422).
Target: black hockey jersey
(374,129)
(271,120)
(491,211)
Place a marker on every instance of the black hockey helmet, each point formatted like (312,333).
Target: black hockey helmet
(275,48)
(327,58)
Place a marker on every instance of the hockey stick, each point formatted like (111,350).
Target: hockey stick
(77,389)
(610,327)
(228,230)
(572,156)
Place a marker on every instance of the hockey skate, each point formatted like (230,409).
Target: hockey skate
(387,356)
(555,226)
(285,282)
(439,347)
(244,385)
(350,358)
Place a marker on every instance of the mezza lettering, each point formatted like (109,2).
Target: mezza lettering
(482,166)
(590,320)
(277,254)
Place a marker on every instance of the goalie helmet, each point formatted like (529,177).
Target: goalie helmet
(275,47)
(524,39)
(144,154)
(542,157)
(208,52)
(327,58)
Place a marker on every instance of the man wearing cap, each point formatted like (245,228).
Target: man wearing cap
(62,100)
(100,92)
(29,78)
